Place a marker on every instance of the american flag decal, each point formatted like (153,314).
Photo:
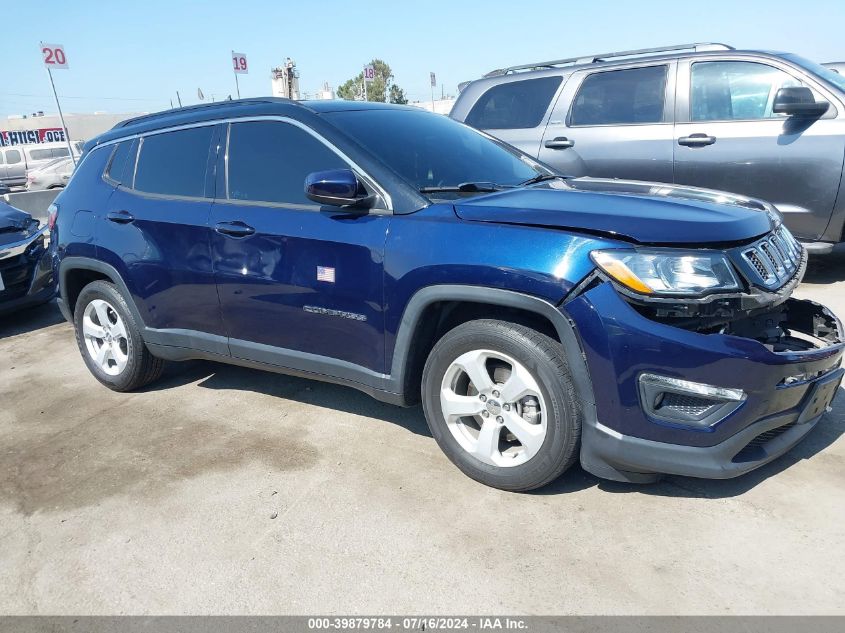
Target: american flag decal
(324,273)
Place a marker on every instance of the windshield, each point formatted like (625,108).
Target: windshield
(830,76)
(433,150)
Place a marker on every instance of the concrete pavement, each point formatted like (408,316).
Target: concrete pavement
(227,490)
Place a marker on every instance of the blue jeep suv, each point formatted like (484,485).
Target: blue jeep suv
(640,328)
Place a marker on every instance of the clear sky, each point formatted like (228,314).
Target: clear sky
(133,56)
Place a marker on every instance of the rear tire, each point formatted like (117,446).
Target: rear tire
(110,340)
(500,401)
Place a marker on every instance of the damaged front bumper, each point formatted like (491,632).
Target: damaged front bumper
(711,404)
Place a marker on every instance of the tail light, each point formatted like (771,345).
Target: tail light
(52,214)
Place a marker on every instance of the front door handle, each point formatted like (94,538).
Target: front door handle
(696,140)
(121,217)
(234,229)
(561,142)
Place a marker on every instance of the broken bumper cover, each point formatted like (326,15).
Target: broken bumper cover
(784,393)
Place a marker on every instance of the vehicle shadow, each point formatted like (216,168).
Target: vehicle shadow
(220,376)
(826,269)
(30,319)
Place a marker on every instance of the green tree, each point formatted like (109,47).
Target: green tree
(381,88)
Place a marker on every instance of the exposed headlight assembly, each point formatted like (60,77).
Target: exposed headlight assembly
(661,272)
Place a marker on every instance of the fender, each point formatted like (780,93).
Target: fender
(496,296)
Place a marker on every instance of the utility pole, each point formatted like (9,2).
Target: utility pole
(433,83)
(179,99)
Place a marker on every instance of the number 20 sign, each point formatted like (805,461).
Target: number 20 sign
(239,64)
(53,55)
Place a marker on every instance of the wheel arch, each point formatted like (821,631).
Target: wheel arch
(77,272)
(433,310)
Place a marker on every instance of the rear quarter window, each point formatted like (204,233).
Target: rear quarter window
(121,167)
(514,105)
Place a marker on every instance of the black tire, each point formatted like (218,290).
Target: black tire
(545,360)
(142,367)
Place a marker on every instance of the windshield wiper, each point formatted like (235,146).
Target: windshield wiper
(465,187)
(540,178)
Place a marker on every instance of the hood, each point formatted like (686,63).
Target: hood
(648,213)
(15,224)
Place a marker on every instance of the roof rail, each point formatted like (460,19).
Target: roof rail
(591,59)
(200,106)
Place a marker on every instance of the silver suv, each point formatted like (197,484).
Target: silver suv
(757,123)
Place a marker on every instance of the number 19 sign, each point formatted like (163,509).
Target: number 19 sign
(239,64)
(53,55)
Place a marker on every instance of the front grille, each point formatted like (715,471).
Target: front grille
(774,259)
(17,272)
(754,449)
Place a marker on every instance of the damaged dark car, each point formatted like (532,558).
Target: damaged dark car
(26,277)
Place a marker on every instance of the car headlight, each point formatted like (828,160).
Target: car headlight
(662,272)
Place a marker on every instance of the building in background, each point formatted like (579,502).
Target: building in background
(285,80)
(41,128)
(326,92)
(441,106)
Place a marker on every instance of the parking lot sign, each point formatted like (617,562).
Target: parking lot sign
(53,55)
(239,63)
(369,73)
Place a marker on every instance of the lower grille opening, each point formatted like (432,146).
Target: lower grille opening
(685,407)
(754,449)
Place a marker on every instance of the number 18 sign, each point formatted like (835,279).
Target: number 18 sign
(239,64)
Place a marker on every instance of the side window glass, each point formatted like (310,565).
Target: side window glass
(269,160)
(174,163)
(621,97)
(122,164)
(514,105)
(59,152)
(40,154)
(13,157)
(725,91)
(2,159)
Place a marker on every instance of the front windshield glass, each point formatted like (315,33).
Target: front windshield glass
(433,150)
(827,74)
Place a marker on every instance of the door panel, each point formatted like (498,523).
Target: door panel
(157,233)
(276,286)
(616,139)
(292,275)
(794,163)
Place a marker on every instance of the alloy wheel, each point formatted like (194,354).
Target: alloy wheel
(494,408)
(105,337)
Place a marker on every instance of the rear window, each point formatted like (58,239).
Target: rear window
(514,105)
(122,164)
(174,163)
(621,97)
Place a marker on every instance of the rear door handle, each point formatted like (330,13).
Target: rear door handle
(696,140)
(121,217)
(561,142)
(234,229)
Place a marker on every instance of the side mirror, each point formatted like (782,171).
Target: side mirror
(798,101)
(338,188)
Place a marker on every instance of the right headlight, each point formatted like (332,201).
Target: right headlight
(668,272)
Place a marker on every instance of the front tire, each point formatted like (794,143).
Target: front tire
(500,402)
(110,341)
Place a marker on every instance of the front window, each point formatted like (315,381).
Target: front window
(735,91)
(435,151)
